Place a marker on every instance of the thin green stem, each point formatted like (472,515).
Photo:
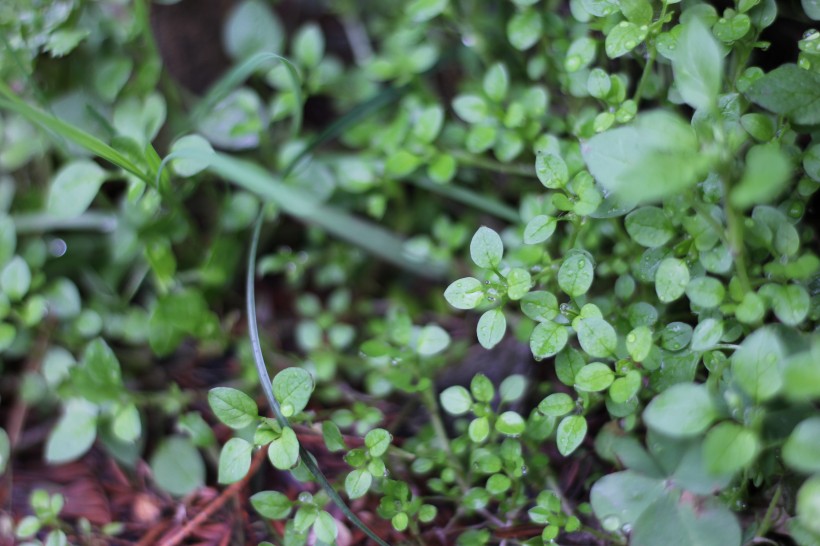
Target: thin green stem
(471,160)
(766,524)
(38,222)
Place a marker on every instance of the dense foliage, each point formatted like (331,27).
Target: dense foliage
(613,198)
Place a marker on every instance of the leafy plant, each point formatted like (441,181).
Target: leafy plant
(615,196)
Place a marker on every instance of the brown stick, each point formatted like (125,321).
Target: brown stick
(175,538)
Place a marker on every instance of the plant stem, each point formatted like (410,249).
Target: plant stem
(488,164)
(764,526)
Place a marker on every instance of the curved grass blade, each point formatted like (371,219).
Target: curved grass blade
(469,197)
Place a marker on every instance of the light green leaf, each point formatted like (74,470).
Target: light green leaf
(681,411)
(357,483)
(15,279)
(626,387)
(524,29)
(510,423)
(431,340)
(234,460)
(540,305)
(513,387)
(649,227)
(812,8)
(464,293)
(482,388)
(729,447)
(234,408)
(594,377)
(491,328)
(377,441)
(597,337)
(551,170)
(479,429)
(192,153)
(671,279)
(272,504)
(707,334)
(334,441)
(177,466)
(756,365)
(496,82)
(486,248)
(547,339)
(706,292)
(456,400)
(576,273)
(557,404)
(292,388)
(639,343)
(74,188)
(792,304)
(675,522)
(519,283)
(790,91)
(284,451)
(808,504)
(623,38)
(539,229)
(325,527)
(470,108)
(424,10)
(698,65)
(619,498)
(309,45)
(126,423)
(429,123)
(571,432)
(252,27)
(74,433)
(766,174)
(802,449)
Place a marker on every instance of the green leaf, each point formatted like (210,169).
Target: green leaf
(594,377)
(464,293)
(431,340)
(126,423)
(15,279)
(802,375)
(513,387)
(479,429)
(766,174)
(74,188)
(491,328)
(557,404)
(496,82)
(539,229)
(698,65)
(619,498)
(519,282)
(576,273)
(482,388)
(486,248)
(671,279)
(655,157)
(272,504)
(792,304)
(649,227)
(540,305)
(234,460)
(334,441)
(623,38)
(729,447)
(639,343)
(705,292)
(470,108)
(597,337)
(756,364)
(808,504)
(547,339)
(678,522)
(802,448)
(196,153)
(524,29)
(751,309)
(424,10)
(625,388)
(99,378)
(681,411)
(790,91)
(5,450)
(252,27)
(510,423)
(74,433)
(429,123)
(284,451)
(401,164)
(377,441)
(812,8)
(177,466)
(551,170)
(707,334)
(234,408)
(292,388)
(571,432)
(325,527)
(357,483)
(730,29)
(309,45)
(456,400)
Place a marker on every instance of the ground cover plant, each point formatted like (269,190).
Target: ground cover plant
(511,272)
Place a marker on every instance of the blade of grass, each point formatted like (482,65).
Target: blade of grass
(468,197)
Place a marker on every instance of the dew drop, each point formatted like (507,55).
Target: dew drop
(611,523)
(626,528)
(623,24)
(581,264)
(811,34)
(490,299)
(524,469)
(630,44)
(672,47)
(631,338)
(487,283)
